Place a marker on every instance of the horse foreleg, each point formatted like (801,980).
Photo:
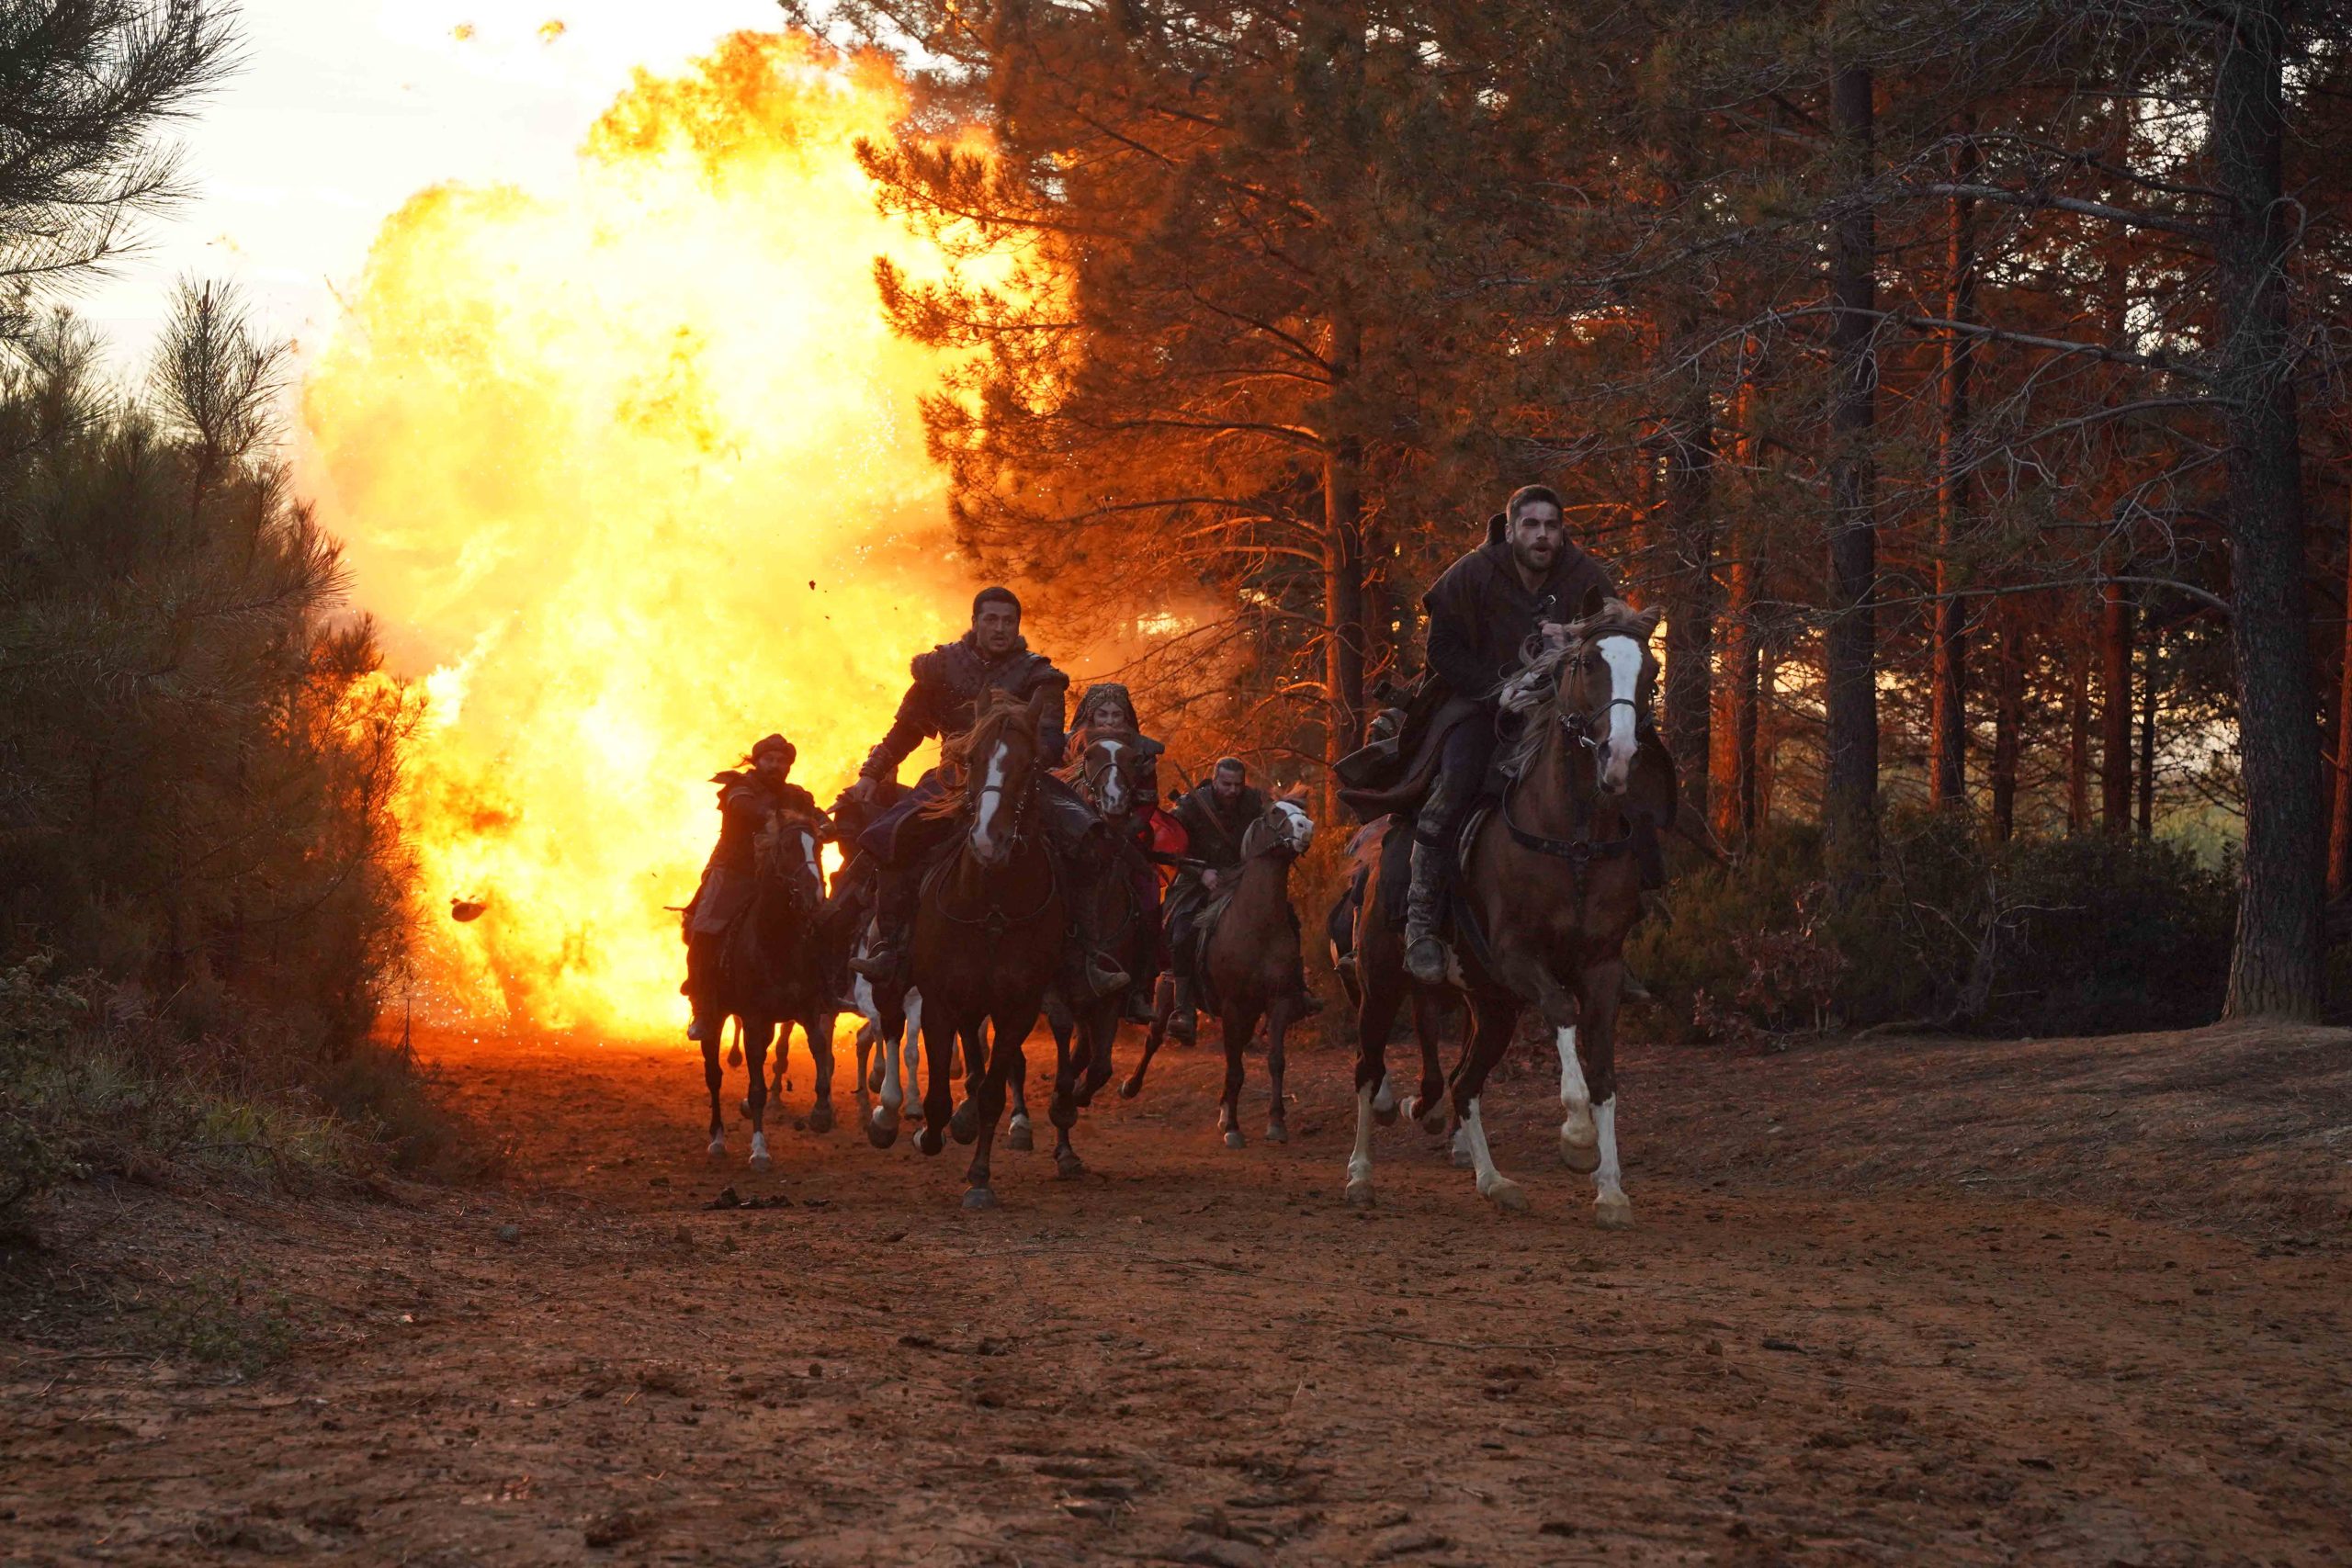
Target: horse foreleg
(1597,1049)
(939,1100)
(1163,1004)
(715,1075)
(1491,1036)
(1428,1106)
(756,1035)
(1236,1028)
(1063,1112)
(1017,1129)
(819,1029)
(1277,1117)
(1004,1049)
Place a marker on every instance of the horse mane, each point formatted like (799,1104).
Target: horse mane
(1534,689)
(996,709)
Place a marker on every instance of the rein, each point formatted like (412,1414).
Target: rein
(993,917)
(1584,848)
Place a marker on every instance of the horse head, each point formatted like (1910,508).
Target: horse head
(1000,762)
(1285,830)
(1595,676)
(1107,771)
(785,854)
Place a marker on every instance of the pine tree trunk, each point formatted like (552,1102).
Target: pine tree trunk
(2115,709)
(1343,576)
(2078,732)
(2148,737)
(1735,719)
(1849,783)
(1948,729)
(1689,593)
(2274,968)
(2339,844)
(2008,714)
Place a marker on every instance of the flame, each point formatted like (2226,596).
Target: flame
(634,470)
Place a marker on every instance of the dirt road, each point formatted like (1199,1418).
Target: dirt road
(1195,1355)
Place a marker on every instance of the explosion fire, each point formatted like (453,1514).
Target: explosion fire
(635,472)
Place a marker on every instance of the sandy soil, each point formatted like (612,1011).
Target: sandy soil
(1829,1341)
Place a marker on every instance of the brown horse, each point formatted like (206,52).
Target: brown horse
(1551,885)
(1250,960)
(773,976)
(990,928)
(1105,773)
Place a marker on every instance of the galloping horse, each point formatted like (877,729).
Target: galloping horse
(1250,960)
(772,974)
(990,930)
(1551,885)
(1106,774)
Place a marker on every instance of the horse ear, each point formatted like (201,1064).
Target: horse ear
(1595,600)
(1649,619)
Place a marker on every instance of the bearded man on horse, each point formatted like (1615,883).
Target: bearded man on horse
(750,800)
(949,683)
(1527,575)
(1214,814)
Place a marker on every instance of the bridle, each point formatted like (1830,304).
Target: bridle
(1577,723)
(993,917)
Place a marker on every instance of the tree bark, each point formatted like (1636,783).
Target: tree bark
(1735,719)
(1689,593)
(1343,572)
(2078,732)
(1850,792)
(2148,737)
(2339,845)
(2009,713)
(2274,967)
(2115,708)
(1948,728)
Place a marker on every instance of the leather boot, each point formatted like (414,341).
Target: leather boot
(1427,959)
(894,918)
(1183,1023)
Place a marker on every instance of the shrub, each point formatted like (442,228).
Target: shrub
(2075,935)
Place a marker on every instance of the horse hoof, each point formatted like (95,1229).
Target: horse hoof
(874,1079)
(1613,1211)
(718,1150)
(1583,1158)
(1130,1087)
(979,1198)
(1385,1118)
(1016,1137)
(1460,1154)
(1277,1133)
(762,1163)
(881,1133)
(820,1119)
(1359,1195)
(1233,1140)
(1506,1195)
(1432,1117)
(1082,1095)
(929,1141)
(1068,1167)
(965,1124)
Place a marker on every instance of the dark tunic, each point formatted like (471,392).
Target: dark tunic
(945,693)
(1481,615)
(1214,832)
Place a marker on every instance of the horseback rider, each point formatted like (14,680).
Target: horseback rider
(1527,576)
(948,683)
(1107,709)
(749,799)
(1214,814)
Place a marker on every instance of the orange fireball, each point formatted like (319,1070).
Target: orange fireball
(632,473)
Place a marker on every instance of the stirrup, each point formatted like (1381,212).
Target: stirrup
(1427,960)
(1103,977)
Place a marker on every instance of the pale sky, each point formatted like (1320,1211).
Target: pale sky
(344,108)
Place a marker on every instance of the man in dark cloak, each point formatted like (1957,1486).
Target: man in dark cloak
(943,699)
(1482,612)
(749,799)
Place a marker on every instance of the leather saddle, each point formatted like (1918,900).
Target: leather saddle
(1393,774)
